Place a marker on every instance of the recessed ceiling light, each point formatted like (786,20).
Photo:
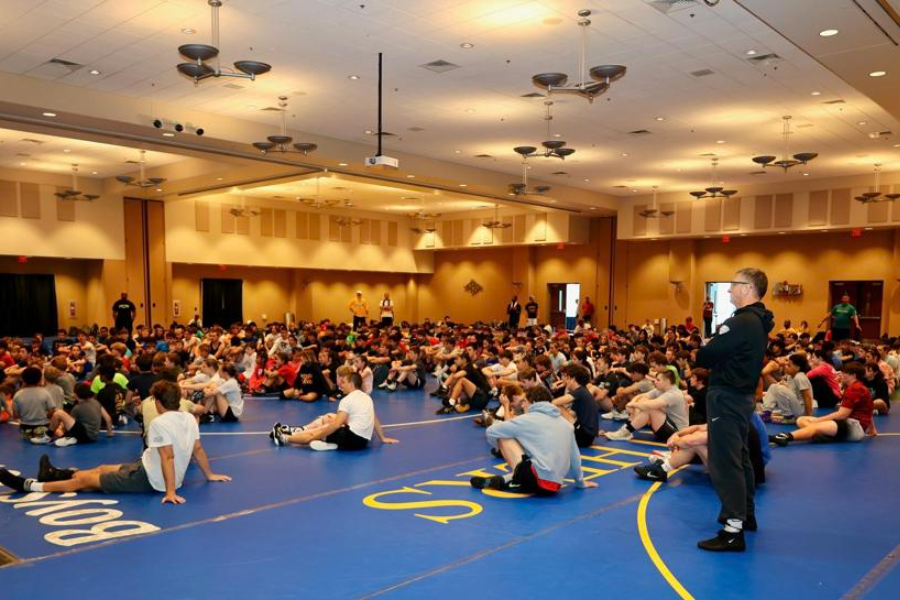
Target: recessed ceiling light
(824,230)
(467,46)
(457,151)
(158,189)
(342,164)
(368,132)
(896,145)
(95,72)
(624,154)
(815,93)
(49,114)
(806,174)
(593,208)
(463,185)
(587,180)
(868,229)
(470,110)
(410,176)
(168,134)
(877,73)
(66,150)
(557,135)
(862,123)
(634,190)
(218,179)
(828,32)
(720,141)
(660,118)
(22,164)
(251,107)
(353,77)
(751,52)
(188,31)
(94,173)
(781,232)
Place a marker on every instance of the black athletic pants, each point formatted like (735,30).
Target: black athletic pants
(728,413)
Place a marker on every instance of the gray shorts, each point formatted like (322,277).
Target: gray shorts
(129,479)
(850,430)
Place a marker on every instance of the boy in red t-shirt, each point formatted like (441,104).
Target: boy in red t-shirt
(850,423)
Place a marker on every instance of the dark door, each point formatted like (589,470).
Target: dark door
(223,301)
(29,304)
(867,297)
(557,304)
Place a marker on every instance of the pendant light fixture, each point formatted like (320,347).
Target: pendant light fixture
(243,210)
(784,162)
(714,191)
(347,221)
(74,193)
(522,189)
(550,148)
(202,54)
(653,212)
(592,83)
(316,201)
(144,182)
(281,143)
(496,223)
(875,195)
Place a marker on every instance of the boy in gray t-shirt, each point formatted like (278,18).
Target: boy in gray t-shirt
(664,409)
(83,425)
(32,405)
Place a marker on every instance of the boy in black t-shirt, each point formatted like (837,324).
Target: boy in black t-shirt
(409,371)
(309,384)
(470,392)
(578,406)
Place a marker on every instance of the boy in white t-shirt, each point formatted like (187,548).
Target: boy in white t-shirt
(173,439)
(501,374)
(350,428)
(225,398)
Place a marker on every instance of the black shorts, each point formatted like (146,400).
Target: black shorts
(527,480)
(583,438)
(229,417)
(839,334)
(387,321)
(479,400)
(347,440)
(128,479)
(79,433)
(418,385)
(665,431)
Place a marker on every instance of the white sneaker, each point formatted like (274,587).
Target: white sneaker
(65,441)
(621,434)
(384,385)
(321,446)
(620,416)
(392,387)
(46,439)
(610,415)
(660,457)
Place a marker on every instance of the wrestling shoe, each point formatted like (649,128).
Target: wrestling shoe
(651,473)
(780,440)
(494,482)
(384,385)
(445,410)
(659,456)
(13,481)
(725,541)
(277,436)
(47,472)
(392,387)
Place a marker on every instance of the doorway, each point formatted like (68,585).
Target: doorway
(564,300)
(717,292)
(867,298)
(222,301)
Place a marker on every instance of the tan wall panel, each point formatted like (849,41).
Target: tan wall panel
(315,227)
(878,212)
(507,235)
(519,231)
(446,232)
(684,214)
(242,225)
(840,206)
(667,223)
(477,236)
(347,234)
(280,216)
(762,218)
(9,199)
(392,234)
(639,223)
(364,231)
(540,228)
(334,231)
(457,238)
(65,210)
(784,210)
(376,232)
(818,208)
(228,220)
(731,214)
(156,262)
(265,222)
(712,215)
(134,257)
(302,231)
(895,206)
(201,215)
(30,196)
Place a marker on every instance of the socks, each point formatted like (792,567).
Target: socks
(452,402)
(32,485)
(507,477)
(734,525)
(630,427)
(666,465)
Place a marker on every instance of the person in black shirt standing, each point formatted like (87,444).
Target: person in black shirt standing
(735,357)
(123,313)
(514,311)
(531,310)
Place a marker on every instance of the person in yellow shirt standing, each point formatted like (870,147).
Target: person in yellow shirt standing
(359,308)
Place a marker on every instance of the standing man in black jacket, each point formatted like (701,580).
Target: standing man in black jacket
(514,311)
(735,358)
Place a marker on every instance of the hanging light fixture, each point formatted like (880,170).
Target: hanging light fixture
(316,201)
(550,148)
(144,182)
(421,229)
(653,212)
(347,221)
(593,83)
(522,189)
(875,195)
(243,210)
(74,193)
(714,191)
(496,223)
(785,163)
(281,143)
(200,54)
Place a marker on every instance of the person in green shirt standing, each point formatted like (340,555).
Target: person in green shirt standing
(842,316)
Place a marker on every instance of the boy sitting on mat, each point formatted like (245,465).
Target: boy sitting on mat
(539,447)
(350,428)
(173,439)
(664,409)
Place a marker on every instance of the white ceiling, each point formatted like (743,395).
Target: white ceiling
(315,45)
(51,154)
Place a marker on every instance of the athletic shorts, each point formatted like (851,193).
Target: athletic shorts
(418,385)
(665,431)
(849,430)
(229,417)
(347,440)
(525,477)
(479,400)
(129,479)
(582,437)
(839,334)
(33,431)
(79,433)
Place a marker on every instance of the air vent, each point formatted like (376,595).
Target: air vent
(765,59)
(233,86)
(559,173)
(439,66)
(23,154)
(72,66)
(757,173)
(270,109)
(702,72)
(384,133)
(132,162)
(534,95)
(838,101)
(640,132)
(483,156)
(416,129)
(620,187)
(708,154)
(668,6)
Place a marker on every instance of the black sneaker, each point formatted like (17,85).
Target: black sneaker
(204,419)
(12,481)
(651,473)
(725,541)
(749,523)
(779,440)
(275,427)
(445,410)
(277,436)
(495,452)
(495,482)
(45,469)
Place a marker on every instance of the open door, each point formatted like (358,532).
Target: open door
(557,304)
(867,298)
(223,301)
